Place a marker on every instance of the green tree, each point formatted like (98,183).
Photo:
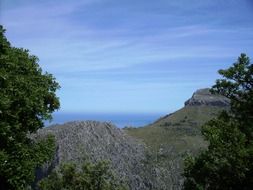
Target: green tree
(237,85)
(90,177)
(228,161)
(27,98)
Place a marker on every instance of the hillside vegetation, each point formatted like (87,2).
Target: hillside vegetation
(173,136)
(182,128)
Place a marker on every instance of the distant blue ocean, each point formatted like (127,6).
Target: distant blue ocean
(119,119)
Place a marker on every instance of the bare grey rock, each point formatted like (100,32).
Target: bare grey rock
(96,141)
(205,97)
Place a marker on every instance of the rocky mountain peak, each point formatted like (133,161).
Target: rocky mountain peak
(205,97)
(93,140)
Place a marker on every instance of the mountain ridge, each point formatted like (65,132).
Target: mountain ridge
(177,134)
(149,157)
(205,97)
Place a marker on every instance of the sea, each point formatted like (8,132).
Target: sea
(119,119)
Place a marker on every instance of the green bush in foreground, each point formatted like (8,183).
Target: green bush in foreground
(27,97)
(227,164)
(88,177)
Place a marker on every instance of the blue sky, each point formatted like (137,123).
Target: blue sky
(138,56)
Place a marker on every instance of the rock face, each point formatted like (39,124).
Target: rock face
(204,97)
(101,141)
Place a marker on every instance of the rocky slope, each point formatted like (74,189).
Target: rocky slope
(95,141)
(204,97)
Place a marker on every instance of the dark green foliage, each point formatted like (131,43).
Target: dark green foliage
(238,87)
(89,177)
(27,97)
(228,161)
